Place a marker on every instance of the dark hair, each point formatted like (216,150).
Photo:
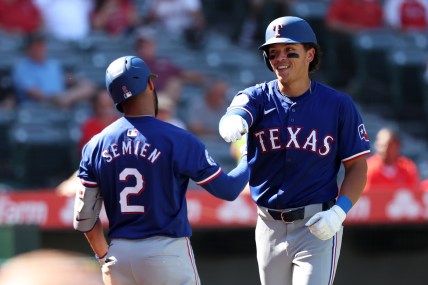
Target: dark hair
(315,63)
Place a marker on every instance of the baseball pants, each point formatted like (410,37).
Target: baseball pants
(151,261)
(289,254)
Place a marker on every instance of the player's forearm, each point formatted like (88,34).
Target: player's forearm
(97,239)
(355,179)
(229,186)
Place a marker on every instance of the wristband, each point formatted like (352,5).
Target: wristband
(344,203)
(100,257)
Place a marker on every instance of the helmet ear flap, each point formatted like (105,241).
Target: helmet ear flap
(266,59)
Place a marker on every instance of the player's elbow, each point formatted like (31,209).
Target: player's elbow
(223,193)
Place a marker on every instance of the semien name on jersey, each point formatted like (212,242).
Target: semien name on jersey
(134,148)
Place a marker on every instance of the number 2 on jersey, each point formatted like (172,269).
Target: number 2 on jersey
(131,191)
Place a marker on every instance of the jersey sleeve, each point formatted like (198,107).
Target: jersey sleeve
(354,141)
(246,104)
(196,163)
(193,160)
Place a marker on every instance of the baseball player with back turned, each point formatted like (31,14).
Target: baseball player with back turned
(140,167)
(300,131)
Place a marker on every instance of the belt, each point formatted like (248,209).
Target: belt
(288,216)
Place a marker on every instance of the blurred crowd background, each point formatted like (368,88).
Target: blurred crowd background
(53,56)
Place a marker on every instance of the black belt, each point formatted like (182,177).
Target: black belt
(289,216)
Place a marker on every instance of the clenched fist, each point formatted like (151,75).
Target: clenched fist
(324,225)
(232,127)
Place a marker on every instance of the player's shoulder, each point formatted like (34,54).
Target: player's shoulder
(326,91)
(259,89)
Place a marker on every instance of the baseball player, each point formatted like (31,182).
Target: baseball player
(139,167)
(299,132)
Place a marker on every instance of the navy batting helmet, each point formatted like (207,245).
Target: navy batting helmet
(126,76)
(287,30)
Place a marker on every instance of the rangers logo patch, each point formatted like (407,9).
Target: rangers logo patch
(209,158)
(362,132)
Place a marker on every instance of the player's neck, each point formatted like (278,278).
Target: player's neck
(138,116)
(295,89)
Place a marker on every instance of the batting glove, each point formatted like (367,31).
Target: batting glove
(232,127)
(324,225)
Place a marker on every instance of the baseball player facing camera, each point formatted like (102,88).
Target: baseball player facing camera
(300,132)
(139,167)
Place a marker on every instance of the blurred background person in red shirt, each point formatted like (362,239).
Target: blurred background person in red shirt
(115,17)
(103,114)
(344,19)
(19,17)
(388,169)
(407,15)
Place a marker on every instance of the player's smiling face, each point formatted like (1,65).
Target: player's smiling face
(289,61)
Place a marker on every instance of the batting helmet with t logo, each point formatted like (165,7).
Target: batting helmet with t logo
(287,30)
(125,77)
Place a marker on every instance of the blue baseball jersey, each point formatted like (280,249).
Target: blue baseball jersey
(142,168)
(297,144)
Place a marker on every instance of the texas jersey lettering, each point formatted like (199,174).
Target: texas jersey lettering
(313,124)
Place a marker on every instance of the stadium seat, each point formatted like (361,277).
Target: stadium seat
(406,68)
(41,114)
(42,149)
(371,85)
(43,155)
(314,11)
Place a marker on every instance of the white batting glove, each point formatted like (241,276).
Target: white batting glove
(232,127)
(102,260)
(324,225)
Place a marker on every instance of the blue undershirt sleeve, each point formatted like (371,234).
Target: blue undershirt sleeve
(229,186)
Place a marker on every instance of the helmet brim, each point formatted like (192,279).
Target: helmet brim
(277,41)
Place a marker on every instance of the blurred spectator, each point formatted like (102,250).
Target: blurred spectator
(50,267)
(407,15)
(167,111)
(344,19)
(388,169)
(424,185)
(171,77)
(19,17)
(236,148)
(38,78)
(181,19)
(352,16)
(66,20)
(115,17)
(205,112)
(103,114)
